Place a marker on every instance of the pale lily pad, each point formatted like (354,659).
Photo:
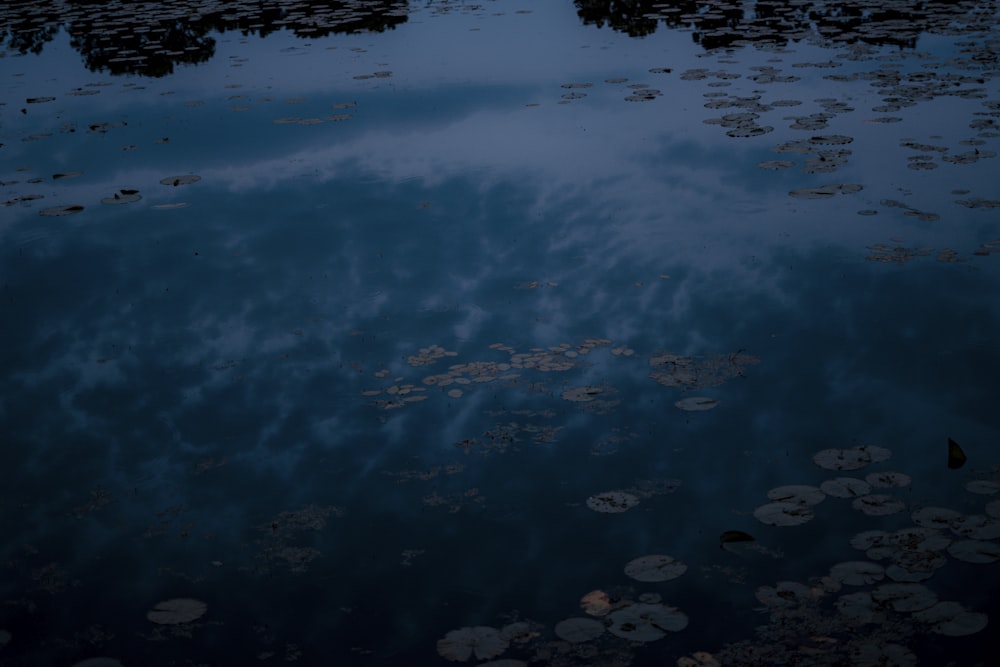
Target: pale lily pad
(54,211)
(858,607)
(986,487)
(783,514)
(800,494)
(888,479)
(183,179)
(975,551)
(993,508)
(177,611)
(904,596)
(644,622)
(825,191)
(696,403)
(952,619)
(881,654)
(123,197)
(596,603)
(577,630)
(845,487)
(878,505)
(785,594)
(851,458)
(584,394)
(656,567)
(935,517)
(857,572)
(612,502)
(977,526)
(483,641)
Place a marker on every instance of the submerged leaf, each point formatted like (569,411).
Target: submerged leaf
(956,456)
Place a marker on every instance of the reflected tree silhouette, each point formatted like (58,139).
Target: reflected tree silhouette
(147,38)
(715,24)
(150,39)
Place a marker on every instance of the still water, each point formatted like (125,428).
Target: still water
(499,333)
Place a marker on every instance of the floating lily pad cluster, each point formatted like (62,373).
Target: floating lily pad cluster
(867,611)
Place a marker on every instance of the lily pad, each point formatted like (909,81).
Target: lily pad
(845,487)
(55,211)
(177,611)
(644,622)
(857,572)
(800,494)
(952,619)
(183,179)
(577,630)
(656,567)
(696,403)
(483,641)
(612,502)
(878,504)
(975,551)
(783,514)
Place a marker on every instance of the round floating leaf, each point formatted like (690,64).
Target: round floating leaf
(596,603)
(656,567)
(986,487)
(55,211)
(577,630)
(696,403)
(935,517)
(952,619)
(878,505)
(785,594)
(851,458)
(858,606)
(644,622)
(845,487)
(483,641)
(176,611)
(881,654)
(183,179)
(698,659)
(122,198)
(800,494)
(783,514)
(888,479)
(904,596)
(869,539)
(825,191)
(612,502)
(975,551)
(993,508)
(977,526)
(584,394)
(857,572)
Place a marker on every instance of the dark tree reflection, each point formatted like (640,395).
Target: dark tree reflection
(715,24)
(147,38)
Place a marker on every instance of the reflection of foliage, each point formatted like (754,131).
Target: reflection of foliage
(717,24)
(151,42)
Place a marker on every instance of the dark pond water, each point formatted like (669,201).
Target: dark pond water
(509,333)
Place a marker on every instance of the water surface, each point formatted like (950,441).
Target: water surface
(393,333)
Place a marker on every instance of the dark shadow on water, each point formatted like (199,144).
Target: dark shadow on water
(150,39)
(721,24)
